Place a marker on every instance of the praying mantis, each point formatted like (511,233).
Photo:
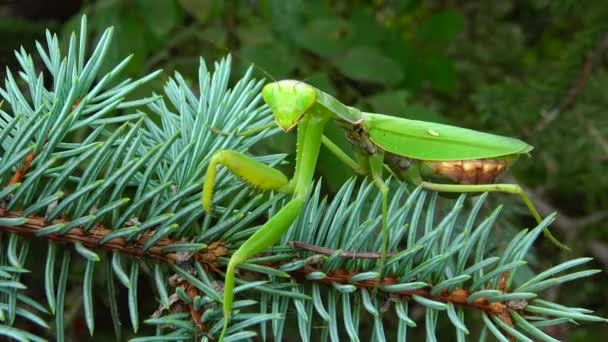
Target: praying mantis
(437,157)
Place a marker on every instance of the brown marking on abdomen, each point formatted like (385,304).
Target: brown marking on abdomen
(473,171)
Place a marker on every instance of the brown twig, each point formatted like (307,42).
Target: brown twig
(571,96)
(215,250)
(458,296)
(502,283)
(93,237)
(20,173)
(344,254)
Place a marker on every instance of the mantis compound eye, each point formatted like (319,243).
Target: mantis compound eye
(289,100)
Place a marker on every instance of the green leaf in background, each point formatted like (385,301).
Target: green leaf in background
(397,103)
(131,34)
(440,72)
(369,64)
(130,39)
(322,81)
(392,102)
(203,11)
(248,35)
(409,56)
(366,29)
(161,16)
(441,28)
(274,60)
(404,6)
(323,36)
(286,18)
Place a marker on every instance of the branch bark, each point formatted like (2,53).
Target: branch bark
(93,237)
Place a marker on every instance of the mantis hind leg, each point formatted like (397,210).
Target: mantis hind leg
(507,188)
(266,236)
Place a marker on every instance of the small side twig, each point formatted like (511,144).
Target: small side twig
(343,254)
(20,173)
(457,296)
(502,283)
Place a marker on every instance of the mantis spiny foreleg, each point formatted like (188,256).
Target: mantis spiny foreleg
(250,170)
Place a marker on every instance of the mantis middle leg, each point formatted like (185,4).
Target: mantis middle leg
(376,163)
(372,165)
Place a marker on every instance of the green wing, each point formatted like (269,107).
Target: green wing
(431,141)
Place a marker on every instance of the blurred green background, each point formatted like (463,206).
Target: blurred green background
(534,69)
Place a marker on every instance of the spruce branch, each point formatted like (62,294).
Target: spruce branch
(449,266)
(134,190)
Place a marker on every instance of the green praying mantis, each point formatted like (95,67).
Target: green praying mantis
(437,157)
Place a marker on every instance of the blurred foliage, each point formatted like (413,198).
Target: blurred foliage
(533,69)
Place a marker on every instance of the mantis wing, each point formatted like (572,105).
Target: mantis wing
(431,141)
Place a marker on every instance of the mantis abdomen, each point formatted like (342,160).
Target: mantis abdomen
(476,171)
(472,171)
(469,171)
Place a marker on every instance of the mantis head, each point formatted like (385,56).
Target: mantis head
(289,100)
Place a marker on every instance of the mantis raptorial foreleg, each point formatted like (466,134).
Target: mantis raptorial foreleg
(253,172)
(266,236)
(264,177)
